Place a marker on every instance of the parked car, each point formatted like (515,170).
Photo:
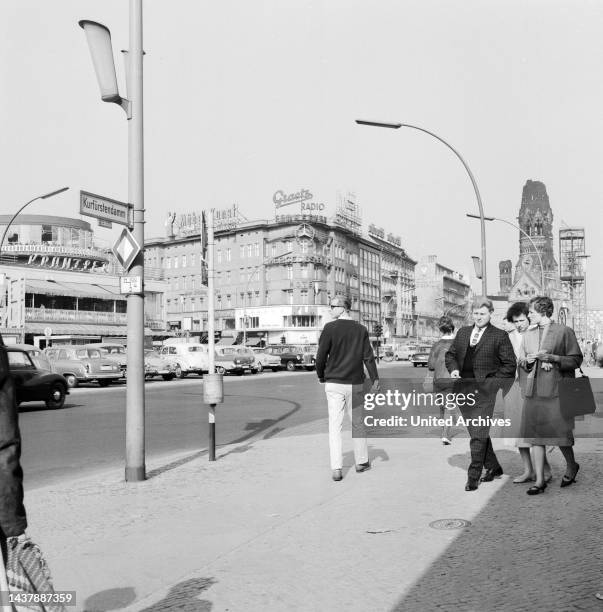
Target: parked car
(293,357)
(112,350)
(34,384)
(404,351)
(37,356)
(235,360)
(186,358)
(420,356)
(266,360)
(387,352)
(78,364)
(156,365)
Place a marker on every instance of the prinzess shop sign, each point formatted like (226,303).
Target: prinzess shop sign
(280,199)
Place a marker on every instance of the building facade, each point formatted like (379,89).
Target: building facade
(273,279)
(57,285)
(440,290)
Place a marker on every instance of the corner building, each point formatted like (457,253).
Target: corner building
(273,279)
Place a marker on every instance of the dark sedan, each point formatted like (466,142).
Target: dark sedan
(33,384)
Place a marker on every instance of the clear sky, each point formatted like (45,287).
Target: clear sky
(244,98)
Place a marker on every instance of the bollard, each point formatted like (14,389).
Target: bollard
(213,393)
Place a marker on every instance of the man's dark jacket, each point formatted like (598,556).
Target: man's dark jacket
(493,356)
(12,511)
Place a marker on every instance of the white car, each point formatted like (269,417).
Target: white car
(186,358)
(266,361)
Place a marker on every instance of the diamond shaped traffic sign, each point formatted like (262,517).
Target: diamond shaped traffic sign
(126,249)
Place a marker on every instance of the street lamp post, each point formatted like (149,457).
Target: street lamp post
(40,197)
(396,126)
(527,236)
(99,42)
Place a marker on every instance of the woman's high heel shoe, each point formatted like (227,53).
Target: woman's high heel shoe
(535,490)
(566,481)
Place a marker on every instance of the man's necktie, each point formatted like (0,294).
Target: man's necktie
(474,337)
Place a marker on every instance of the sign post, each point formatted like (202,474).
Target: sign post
(213,390)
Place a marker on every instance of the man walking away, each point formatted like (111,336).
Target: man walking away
(344,349)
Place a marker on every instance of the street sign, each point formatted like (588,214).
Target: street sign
(130,284)
(103,223)
(48,331)
(107,209)
(126,249)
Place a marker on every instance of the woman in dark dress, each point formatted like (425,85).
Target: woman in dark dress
(436,363)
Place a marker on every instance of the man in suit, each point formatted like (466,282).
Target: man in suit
(480,352)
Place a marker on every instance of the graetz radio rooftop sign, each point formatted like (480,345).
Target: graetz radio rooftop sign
(302,197)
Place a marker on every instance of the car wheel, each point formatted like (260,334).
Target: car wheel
(220,370)
(103,382)
(56,399)
(167,376)
(255,371)
(291,366)
(72,381)
(415,365)
(260,368)
(179,372)
(276,369)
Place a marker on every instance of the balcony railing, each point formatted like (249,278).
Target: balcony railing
(55,249)
(70,316)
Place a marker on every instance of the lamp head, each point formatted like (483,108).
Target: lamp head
(99,43)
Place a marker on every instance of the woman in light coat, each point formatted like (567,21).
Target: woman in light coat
(549,353)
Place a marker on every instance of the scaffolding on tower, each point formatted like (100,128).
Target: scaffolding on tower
(572,257)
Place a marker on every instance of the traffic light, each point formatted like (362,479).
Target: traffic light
(283,339)
(378,329)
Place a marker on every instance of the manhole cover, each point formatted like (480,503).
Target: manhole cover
(450,524)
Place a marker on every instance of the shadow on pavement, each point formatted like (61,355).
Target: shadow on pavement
(522,553)
(255,428)
(111,599)
(185,597)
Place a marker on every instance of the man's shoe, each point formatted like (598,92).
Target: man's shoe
(445,441)
(363,467)
(490,475)
(337,475)
(471,484)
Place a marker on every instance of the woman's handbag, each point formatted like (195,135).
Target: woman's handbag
(576,396)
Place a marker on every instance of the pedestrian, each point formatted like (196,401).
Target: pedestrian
(480,352)
(517,315)
(549,353)
(437,364)
(26,570)
(344,349)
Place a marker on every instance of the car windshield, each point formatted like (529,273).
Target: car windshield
(115,350)
(195,349)
(228,351)
(88,353)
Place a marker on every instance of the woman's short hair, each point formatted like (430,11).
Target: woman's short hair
(542,305)
(445,325)
(480,301)
(516,310)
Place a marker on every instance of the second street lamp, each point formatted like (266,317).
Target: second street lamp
(40,197)
(396,126)
(542,277)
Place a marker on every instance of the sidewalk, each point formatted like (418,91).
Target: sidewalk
(265,528)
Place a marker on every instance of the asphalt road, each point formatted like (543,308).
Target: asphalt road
(88,434)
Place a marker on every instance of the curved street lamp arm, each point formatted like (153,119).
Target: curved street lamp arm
(477,195)
(40,197)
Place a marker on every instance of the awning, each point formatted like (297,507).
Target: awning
(225,341)
(44,287)
(86,290)
(79,329)
(83,290)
